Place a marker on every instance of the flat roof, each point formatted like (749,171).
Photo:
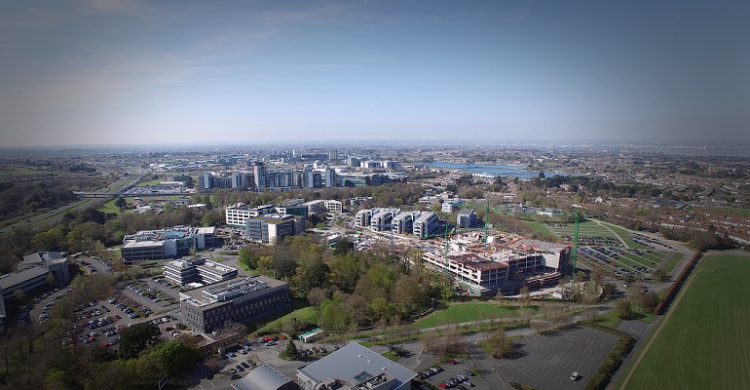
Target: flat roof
(470,260)
(355,364)
(141,244)
(197,294)
(12,279)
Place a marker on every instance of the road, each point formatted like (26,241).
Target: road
(57,214)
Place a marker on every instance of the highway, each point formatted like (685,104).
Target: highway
(55,215)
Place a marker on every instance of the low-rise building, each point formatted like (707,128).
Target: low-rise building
(206,310)
(272,227)
(467,218)
(333,206)
(426,224)
(355,367)
(197,270)
(165,243)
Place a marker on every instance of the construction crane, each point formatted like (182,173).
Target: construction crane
(486,209)
(574,253)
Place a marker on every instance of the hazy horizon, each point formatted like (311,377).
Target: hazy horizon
(107,72)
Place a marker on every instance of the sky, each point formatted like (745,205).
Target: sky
(95,72)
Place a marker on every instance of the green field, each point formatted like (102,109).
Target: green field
(271,324)
(110,208)
(150,182)
(705,344)
(672,263)
(465,312)
(624,234)
(540,227)
(732,211)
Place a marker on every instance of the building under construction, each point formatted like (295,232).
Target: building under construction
(501,264)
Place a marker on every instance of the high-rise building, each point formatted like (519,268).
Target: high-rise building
(259,172)
(330,177)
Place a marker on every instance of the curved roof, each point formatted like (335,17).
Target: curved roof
(262,378)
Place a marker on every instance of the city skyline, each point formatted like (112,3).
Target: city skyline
(126,72)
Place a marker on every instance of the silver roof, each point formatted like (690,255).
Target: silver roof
(262,378)
(351,362)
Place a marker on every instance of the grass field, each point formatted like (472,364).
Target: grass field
(540,227)
(464,312)
(624,234)
(732,211)
(672,263)
(300,309)
(705,344)
(150,182)
(110,208)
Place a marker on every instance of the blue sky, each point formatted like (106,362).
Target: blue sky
(139,72)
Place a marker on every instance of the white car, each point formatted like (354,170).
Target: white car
(574,376)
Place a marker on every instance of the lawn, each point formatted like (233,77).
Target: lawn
(672,263)
(110,208)
(150,182)
(610,320)
(540,227)
(271,324)
(624,234)
(705,344)
(731,211)
(465,312)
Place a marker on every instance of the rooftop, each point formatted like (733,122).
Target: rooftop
(9,280)
(356,364)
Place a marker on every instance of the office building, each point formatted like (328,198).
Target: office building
(259,174)
(354,367)
(402,223)
(449,206)
(426,224)
(381,219)
(197,270)
(165,243)
(206,181)
(31,275)
(330,177)
(272,227)
(206,310)
(333,206)
(467,218)
(237,215)
(315,206)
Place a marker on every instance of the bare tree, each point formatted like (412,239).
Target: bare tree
(525,298)
(230,332)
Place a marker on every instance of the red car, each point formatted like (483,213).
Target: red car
(106,345)
(452,361)
(443,386)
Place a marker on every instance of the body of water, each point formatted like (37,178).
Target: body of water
(494,170)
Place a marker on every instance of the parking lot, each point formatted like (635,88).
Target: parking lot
(547,361)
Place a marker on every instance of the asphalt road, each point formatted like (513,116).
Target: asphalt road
(59,212)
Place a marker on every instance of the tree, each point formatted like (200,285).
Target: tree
(622,308)
(659,275)
(247,257)
(596,276)
(176,356)
(136,338)
(51,279)
(609,289)
(291,351)
(120,203)
(498,345)
(541,175)
(499,297)
(525,298)
(19,295)
(333,315)
(230,332)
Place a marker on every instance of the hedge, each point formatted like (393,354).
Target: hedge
(662,306)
